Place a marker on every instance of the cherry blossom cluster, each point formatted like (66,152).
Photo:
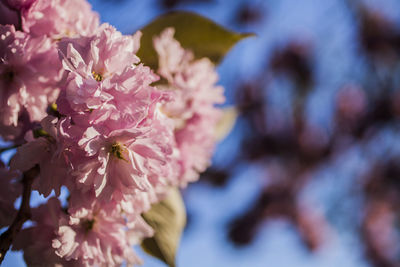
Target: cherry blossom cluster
(95,120)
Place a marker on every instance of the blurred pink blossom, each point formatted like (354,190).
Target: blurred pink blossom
(30,72)
(59,18)
(194,96)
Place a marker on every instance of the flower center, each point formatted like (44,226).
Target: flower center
(88,225)
(97,76)
(117,150)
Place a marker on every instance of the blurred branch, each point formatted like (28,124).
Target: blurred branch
(24,213)
(4,149)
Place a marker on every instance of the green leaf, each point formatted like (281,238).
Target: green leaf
(168,218)
(199,34)
(226,123)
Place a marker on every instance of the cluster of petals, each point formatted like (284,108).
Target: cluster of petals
(110,145)
(97,235)
(55,19)
(192,82)
(86,233)
(58,18)
(36,240)
(121,142)
(95,124)
(45,149)
(29,71)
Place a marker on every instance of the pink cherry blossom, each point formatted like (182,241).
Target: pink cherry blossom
(124,161)
(121,142)
(30,72)
(36,240)
(116,142)
(196,146)
(47,151)
(100,235)
(193,103)
(103,80)
(60,18)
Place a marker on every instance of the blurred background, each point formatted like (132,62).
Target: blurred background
(310,174)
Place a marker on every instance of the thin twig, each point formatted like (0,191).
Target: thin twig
(24,213)
(4,149)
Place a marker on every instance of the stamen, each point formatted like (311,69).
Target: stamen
(97,76)
(88,225)
(117,150)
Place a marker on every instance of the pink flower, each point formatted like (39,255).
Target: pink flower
(60,18)
(120,141)
(193,103)
(172,58)
(194,79)
(130,206)
(29,71)
(47,151)
(196,141)
(99,236)
(36,240)
(117,143)
(124,161)
(103,81)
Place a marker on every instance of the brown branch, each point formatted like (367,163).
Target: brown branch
(4,149)
(24,213)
